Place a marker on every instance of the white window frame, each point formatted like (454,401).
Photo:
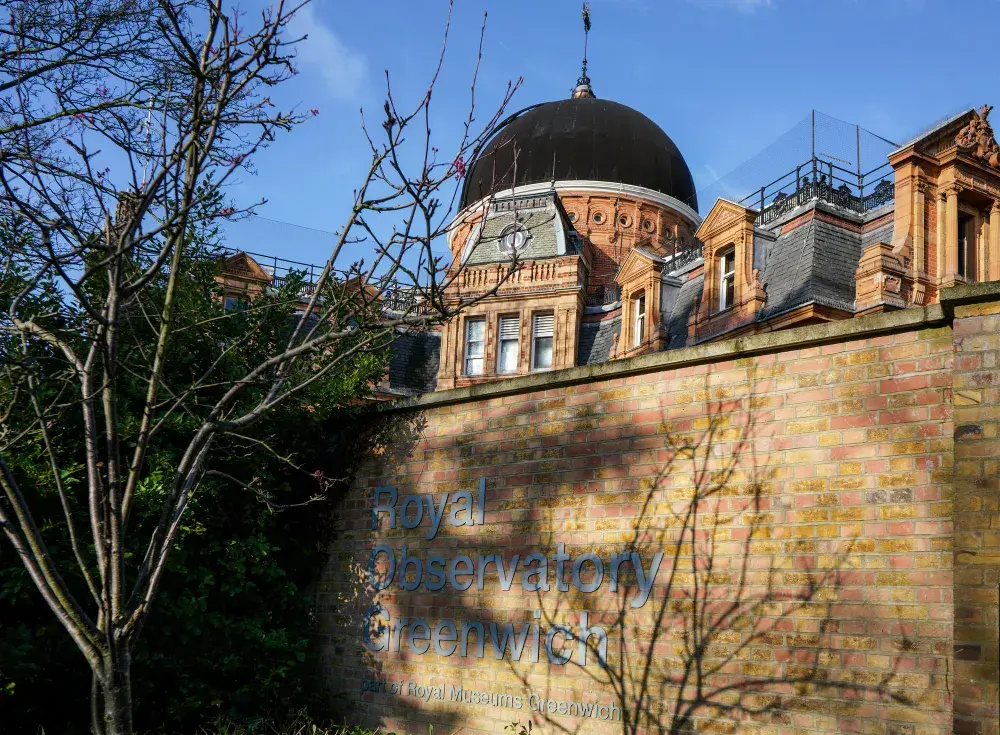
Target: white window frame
(508,330)
(469,355)
(543,326)
(726,278)
(639,319)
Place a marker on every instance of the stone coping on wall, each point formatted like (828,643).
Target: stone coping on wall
(934,315)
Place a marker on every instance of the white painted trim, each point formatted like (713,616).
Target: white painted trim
(471,240)
(600,187)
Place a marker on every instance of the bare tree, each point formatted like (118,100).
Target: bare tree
(172,95)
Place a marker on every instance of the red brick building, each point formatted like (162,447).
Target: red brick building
(596,206)
(731,474)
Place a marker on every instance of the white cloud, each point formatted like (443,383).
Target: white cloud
(343,69)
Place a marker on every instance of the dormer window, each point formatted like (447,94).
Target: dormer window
(639,319)
(513,239)
(727,278)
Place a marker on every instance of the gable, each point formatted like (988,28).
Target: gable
(723,215)
(942,136)
(243,266)
(970,132)
(637,263)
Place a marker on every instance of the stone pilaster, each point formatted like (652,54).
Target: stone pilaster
(919,242)
(942,237)
(993,256)
(951,237)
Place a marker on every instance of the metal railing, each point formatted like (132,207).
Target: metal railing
(825,180)
(606,295)
(685,257)
(395,298)
(684,253)
(402,300)
(281,268)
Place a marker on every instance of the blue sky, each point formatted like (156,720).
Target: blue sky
(724,78)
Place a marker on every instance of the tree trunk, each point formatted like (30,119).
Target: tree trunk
(114,691)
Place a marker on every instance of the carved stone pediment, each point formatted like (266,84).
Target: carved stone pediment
(637,264)
(243,267)
(723,215)
(977,140)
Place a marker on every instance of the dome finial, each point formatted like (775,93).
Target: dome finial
(583,88)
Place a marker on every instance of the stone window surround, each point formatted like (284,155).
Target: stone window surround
(722,302)
(535,314)
(640,318)
(729,227)
(466,341)
(955,202)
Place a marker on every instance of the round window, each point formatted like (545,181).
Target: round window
(599,217)
(625,221)
(513,238)
(572,216)
(647,225)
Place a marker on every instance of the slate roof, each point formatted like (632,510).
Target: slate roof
(815,263)
(685,303)
(879,234)
(413,362)
(549,234)
(596,340)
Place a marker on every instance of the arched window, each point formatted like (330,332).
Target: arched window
(727,277)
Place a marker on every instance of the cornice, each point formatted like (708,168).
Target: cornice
(738,347)
(592,187)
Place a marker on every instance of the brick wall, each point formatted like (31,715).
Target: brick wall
(799,486)
(977,517)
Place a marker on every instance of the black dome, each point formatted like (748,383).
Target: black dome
(581,139)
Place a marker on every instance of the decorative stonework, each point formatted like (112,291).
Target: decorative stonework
(880,281)
(976,138)
(947,183)
(641,273)
(622,228)
(242,277)
(728,225)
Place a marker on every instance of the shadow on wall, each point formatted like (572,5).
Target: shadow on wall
(739,629)
(705,612)
(348,593)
